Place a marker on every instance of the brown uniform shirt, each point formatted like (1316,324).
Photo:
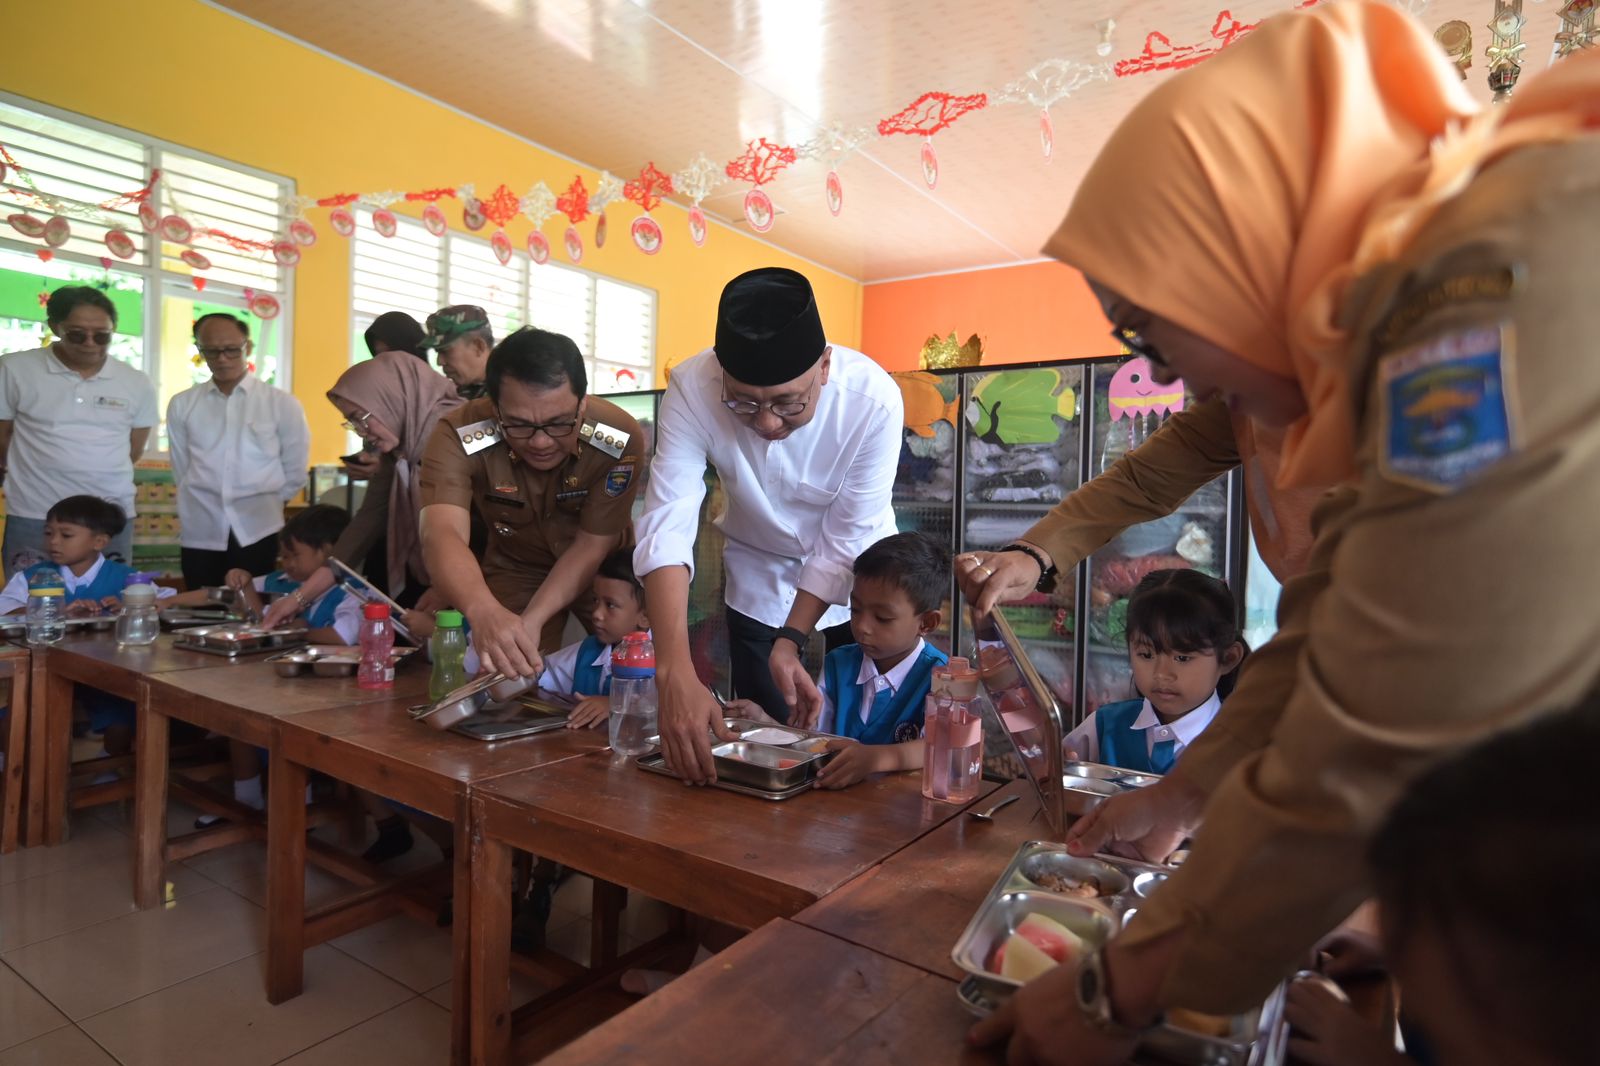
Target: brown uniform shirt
(1451,593)
(534,515)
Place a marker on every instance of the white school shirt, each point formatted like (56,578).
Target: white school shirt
(1086,741)
(14,596)
(237,458)
(872,681)
(70,435)
(798,510)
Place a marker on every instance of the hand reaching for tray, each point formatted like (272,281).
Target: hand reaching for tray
(794,682)
(1146,823)
(592,712)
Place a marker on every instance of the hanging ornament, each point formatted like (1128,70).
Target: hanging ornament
(342,221)
(433,220)
(573,241)
(302,232)
(930,164)
(538,248)
(1053,81)
(501,207)
(835,192)
(1160,53)
(1505,48)
(195,259)
(264,305)
(1047,134)
(500,244)
(574,203)
(927,115)
(149,217)
(44,254)
(1455,37)
(472,215)
(761,162)
(120,243)
(1577,28)
(384,222)
(287,253)
(601,228)
(758,210)
(608,190)
(831,146)
(646,235)
(696,181)
(198,283)
(27,225)
(106,262)
(177,229)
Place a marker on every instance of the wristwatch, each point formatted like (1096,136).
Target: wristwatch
(799,638)
(1094,999)
(1047,573)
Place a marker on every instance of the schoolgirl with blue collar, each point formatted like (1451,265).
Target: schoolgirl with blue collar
(1185,647)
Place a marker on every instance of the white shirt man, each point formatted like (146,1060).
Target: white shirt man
(239,453)
(72,422)
(805,437)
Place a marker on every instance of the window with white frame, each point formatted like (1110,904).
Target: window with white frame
(79,164)
(612,323)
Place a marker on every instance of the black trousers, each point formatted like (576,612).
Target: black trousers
(204,568)
(749,645)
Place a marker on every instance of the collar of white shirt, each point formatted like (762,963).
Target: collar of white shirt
(1184,729)
(54,365)
(75,583)
(245,384)
(868,674)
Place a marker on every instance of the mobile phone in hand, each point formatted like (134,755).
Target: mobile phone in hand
(354,457)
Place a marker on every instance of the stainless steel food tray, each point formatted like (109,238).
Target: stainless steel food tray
(1086,785)
(655,763)
(525,716)
(95,623)
(1016,894)
(231,641)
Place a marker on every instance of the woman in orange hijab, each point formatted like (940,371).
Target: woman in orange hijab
(1421,333)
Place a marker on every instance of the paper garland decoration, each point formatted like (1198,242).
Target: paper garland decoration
(927,115)
(696,181)
(760,163)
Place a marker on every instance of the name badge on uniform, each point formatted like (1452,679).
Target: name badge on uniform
(116,402)
(479,435)
(571,494)
(1444,410)
(607,439)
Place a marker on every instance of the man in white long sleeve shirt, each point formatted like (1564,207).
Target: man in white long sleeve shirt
(805,437)
(239,453)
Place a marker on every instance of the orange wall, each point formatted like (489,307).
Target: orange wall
(1023,313)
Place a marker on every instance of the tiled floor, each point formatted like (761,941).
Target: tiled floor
(88,980)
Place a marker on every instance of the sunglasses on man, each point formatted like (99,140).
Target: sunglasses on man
(101,337)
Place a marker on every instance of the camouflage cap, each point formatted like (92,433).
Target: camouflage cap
(448,323)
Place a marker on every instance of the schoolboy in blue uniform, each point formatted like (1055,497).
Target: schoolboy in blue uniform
(874,691)
(584,669)
(76,532)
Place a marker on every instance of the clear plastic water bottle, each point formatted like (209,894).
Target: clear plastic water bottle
(377,641)
(952,730)
(633,695)
(448,650)
(47,608)
(139,623)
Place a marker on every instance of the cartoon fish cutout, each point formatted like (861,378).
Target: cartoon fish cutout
(1021,407)
(925,405)
(1134,391)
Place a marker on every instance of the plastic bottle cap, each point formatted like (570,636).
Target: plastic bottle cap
(634,657)
(447,619)
(139,578)
(375,610)
(140,594)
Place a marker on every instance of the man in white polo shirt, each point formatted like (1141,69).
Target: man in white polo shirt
(239,453)
(73,421)
(805,437)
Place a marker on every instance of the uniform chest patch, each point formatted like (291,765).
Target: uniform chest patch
(1445,416)
(618,478)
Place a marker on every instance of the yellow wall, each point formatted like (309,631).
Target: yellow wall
(193,75)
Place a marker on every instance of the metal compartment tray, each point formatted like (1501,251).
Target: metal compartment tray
(525,716)
(765,766)
(1086,785)
(234,640)
(655,763)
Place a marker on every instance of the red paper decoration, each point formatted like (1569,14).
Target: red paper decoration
(431,195)
(1161,54)
(243,244)
(761,162)
(339,200)
(502,206)
(931,112)
(199,284)
(45,254)
(574,203)
(648,188)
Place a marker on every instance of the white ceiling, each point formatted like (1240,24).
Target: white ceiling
(615,83)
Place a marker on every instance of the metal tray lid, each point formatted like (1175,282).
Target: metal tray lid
(1026,710)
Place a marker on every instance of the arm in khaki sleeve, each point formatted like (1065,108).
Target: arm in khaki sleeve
(1191,449)
(1245,723)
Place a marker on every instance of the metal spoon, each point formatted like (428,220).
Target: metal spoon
(988,815)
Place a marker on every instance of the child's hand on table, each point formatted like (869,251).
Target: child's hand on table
(238,579)
(83,609)
(592,712)
(111,604)
(852,763)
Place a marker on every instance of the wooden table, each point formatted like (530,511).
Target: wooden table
(731,858)
(914,906)
(377,747)
(15,669)
(95,660)
(787,993)
(240,700)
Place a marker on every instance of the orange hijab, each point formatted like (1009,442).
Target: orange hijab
(1232,199)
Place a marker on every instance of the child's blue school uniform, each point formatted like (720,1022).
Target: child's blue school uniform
(899,697)
(324,612)
(581,669)
(1129,734)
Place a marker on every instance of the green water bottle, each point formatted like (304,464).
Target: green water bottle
(448,648)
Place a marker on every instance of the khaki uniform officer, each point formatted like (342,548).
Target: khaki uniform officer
(553,472)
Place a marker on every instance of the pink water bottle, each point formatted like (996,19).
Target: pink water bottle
(377,641)
(952,765)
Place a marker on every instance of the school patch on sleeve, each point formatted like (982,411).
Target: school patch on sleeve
(618,478)
(1444,411)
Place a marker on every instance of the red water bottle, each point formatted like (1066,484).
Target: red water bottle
(377,641)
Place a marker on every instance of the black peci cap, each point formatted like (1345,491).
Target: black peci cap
(768,328)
